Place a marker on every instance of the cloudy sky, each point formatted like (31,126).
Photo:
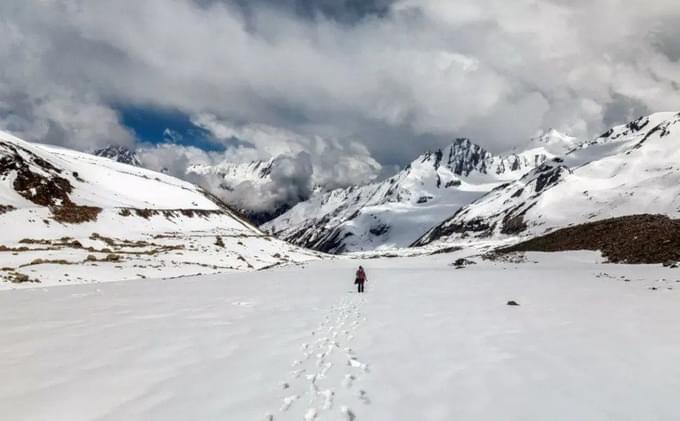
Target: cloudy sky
(368,84)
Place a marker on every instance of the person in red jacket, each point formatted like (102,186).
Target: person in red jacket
(360,279)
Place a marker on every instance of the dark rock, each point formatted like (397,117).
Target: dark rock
(461,263)
(512,303)
(446,250)
(119,154)
(379,229)
(548,176)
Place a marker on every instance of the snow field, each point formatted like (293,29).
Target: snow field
(328,369)
(589,341)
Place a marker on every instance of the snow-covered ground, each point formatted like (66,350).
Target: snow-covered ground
(589,341)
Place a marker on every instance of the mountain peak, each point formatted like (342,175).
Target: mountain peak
(464,157)
(553,136)
(120,154)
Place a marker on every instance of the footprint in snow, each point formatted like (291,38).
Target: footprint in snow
(288,401)
(363,397)
(311,414)
(297,373)
(349,415)
(348,381)
(313,388)
(325,368)
(328,398)
(353,362)
(243,303)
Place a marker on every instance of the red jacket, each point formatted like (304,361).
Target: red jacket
(361,275)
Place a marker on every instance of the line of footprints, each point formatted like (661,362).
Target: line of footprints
(327,362)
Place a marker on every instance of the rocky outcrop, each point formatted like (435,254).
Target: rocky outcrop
(120,154)
(627,239)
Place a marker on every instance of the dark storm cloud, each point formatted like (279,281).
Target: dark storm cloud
(346,11)
(349,80)
(622,108)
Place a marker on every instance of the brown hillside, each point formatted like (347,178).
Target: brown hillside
(628,239)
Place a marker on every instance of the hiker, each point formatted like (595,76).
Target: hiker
(360,279)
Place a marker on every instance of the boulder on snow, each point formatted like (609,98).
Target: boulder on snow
(462,262)
(512,303)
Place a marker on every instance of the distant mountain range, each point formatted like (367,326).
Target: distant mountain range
(397,211)
(630,169)
(465,193)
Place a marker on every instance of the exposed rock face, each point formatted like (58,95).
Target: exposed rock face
(464,157)
(120,154)
(34,178)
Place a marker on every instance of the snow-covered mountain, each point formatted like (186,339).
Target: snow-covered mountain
(120,154)
(235,173)
(107,220)
(630,169)
(397,211)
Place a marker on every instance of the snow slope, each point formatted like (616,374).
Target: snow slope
(630,169)
(426,342)
(73,217)
(397,211)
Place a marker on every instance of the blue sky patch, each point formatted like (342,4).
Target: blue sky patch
(167,126)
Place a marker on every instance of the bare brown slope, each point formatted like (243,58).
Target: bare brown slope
(628,239)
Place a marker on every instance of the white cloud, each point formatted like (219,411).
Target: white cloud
(493,69)
(300,163)
(335,162)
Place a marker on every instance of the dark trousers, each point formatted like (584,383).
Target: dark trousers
(360,286)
